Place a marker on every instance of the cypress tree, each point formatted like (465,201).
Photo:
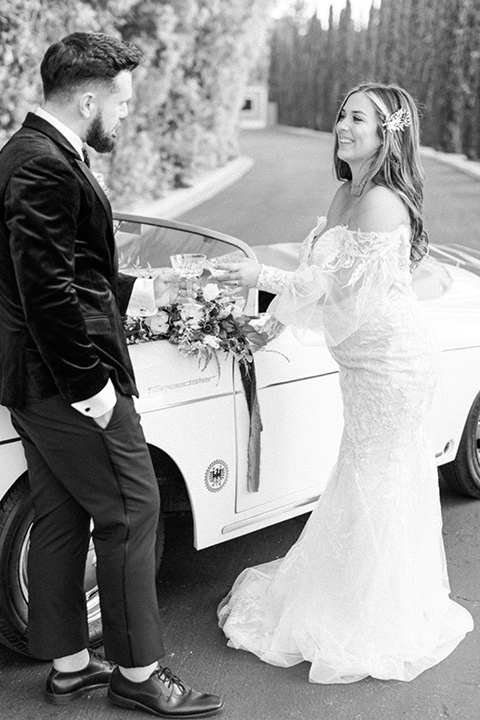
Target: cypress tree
(381,54)
(345,50)
(392,57)
(314,58)
(330,74)
(431,47)
(471,76)
(448,80)
(370,45)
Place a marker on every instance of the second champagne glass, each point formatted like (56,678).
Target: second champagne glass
(190,266)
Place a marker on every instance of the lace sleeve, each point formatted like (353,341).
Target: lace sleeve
(348,275)
(272,279)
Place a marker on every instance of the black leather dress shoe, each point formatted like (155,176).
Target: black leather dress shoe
(163,694)
(63,687)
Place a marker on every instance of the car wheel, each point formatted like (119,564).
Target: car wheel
(463,473)
(16,518)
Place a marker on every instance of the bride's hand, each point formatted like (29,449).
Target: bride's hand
(243,273)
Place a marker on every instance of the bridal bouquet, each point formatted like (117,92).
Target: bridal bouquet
(209,322)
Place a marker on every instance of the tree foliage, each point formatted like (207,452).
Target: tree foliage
(430,47)
(187,93)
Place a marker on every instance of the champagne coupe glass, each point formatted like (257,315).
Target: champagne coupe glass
(190,266)
(215,269)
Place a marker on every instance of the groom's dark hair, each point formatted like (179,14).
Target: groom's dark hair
(82,58)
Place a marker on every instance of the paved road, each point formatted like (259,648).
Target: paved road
(191,584)
(292,182)
(277,201)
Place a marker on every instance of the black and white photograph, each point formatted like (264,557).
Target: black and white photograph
(240,359)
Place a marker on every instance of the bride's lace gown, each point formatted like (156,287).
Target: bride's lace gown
(364,591)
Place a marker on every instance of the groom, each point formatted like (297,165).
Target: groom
(66,376)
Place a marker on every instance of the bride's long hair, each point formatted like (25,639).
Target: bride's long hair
(396,164)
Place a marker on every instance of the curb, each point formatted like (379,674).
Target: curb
(456,160)
(206,187)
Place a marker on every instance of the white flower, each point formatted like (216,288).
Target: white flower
(211,291)
(212,341)
(231,309)
(236,311)
(99,178)
(158,323)
(192,314)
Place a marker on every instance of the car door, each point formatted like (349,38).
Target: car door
(301,412)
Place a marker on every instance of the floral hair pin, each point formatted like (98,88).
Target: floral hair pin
(398,120)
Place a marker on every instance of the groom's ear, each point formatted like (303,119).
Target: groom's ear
(87,104)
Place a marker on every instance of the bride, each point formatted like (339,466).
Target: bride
(364,591)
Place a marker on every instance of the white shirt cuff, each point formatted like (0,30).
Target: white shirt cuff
(98,404)
(142,300)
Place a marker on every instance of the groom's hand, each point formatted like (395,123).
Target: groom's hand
(103,420)
(165,288)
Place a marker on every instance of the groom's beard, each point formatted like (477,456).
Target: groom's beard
(98,138)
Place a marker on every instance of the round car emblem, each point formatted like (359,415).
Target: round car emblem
(216,475)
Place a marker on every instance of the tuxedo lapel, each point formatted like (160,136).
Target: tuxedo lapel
(95,185)
(40,125)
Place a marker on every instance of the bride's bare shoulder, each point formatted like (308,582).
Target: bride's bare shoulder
(379,210)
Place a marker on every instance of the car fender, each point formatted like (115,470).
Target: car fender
(13,460)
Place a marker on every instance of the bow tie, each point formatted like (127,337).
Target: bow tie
(86,158)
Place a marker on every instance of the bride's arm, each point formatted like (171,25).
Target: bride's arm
(249,273)
(272,279)
(351,272)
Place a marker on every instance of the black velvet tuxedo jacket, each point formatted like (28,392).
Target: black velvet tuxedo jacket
(61,297)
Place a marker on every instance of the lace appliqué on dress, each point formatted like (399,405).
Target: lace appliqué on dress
(364,591)
(342,277)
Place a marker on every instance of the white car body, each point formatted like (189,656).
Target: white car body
(199,418)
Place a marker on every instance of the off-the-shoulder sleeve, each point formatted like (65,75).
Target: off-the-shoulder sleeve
(349,273)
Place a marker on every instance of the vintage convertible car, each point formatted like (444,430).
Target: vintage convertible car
(196,418)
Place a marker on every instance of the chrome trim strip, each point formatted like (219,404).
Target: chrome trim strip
(464,347)
(296,380)
(188,402)
(271,513)
(238,392)
(7,442)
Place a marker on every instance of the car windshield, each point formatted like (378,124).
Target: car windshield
(146,244)
(458,255)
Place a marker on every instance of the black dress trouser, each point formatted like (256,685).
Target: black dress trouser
(79,472)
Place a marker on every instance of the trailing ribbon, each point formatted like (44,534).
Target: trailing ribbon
(249,381)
